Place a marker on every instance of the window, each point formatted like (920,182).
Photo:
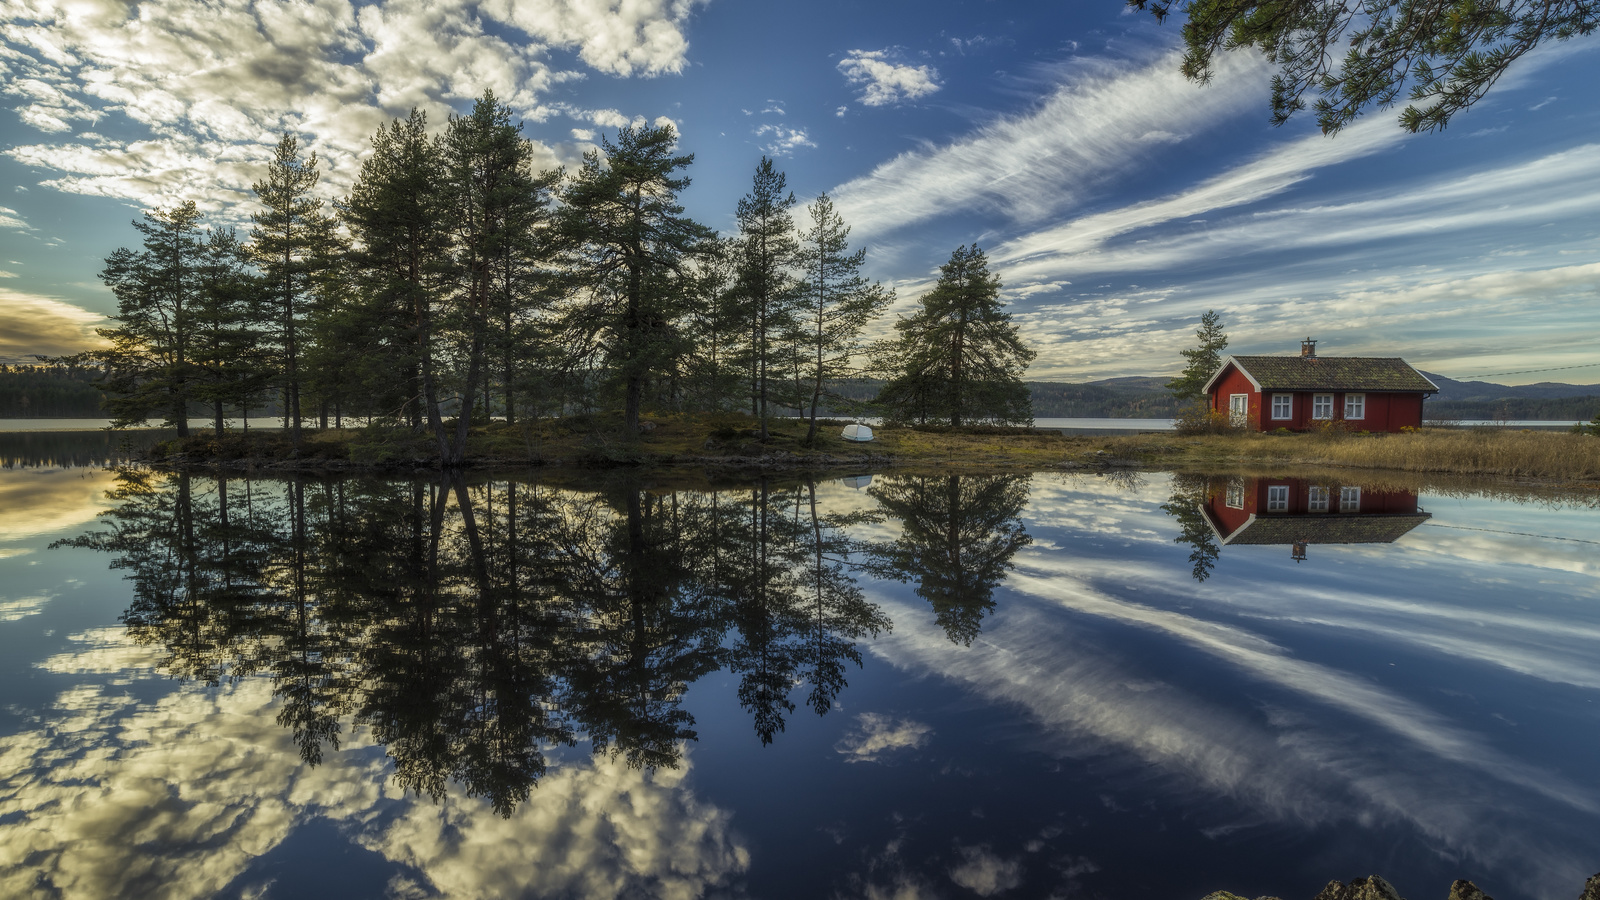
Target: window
(1239,410)
(1355,406)
(1235,498)
(1322,406)
(1318,501)
(1278,498)
(1283,406)
(1349,499)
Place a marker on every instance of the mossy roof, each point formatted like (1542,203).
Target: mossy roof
(1327,528)
(1334,373)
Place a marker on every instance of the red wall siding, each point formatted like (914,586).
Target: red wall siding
(1233,382)
(1384,412)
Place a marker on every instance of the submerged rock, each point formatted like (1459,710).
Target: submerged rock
(1466,890)
(1370,888)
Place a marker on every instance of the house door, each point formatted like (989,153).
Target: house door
(1239,410)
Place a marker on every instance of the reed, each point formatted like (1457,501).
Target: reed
(1483,451)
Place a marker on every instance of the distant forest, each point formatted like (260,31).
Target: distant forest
(49,392)
(1571,409)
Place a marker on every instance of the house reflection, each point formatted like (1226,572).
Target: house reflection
(1299,512)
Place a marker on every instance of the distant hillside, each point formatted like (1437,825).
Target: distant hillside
(1452,391)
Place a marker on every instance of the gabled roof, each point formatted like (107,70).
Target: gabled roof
(1327,373)
(1319,528)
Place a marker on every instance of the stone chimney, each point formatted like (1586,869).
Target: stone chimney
(1308,349)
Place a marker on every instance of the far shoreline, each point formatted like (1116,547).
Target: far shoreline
(728,444)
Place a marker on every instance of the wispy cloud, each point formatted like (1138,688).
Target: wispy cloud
(1100,122)
(884,81)
(10,218)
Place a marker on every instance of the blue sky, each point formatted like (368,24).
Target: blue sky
(1116,201)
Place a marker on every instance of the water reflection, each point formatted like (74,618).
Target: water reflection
(958,535)
(479,687)
(1218,511)
(472,626)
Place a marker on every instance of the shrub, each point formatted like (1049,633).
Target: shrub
(1592,428)
(1199,418)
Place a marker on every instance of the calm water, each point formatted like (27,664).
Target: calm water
(906,686)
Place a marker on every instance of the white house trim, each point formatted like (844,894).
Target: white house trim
(1227,361)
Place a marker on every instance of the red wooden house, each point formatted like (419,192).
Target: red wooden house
(1300,392)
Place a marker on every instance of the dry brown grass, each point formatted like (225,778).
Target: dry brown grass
(1503,452)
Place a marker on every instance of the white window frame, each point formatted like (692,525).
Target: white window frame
(1235,497)
(1350,498)
(1355,406)
(1239,410)
(1277,498)
(1282,407)
(1317,500)
(1321,406)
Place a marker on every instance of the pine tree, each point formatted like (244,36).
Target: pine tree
(959,358)
(834,302)
(714,328)
(290,246)
(400,252)
(767,250)
(497,208)
(1204,359)
(149,368)
(225,347)
(625,236)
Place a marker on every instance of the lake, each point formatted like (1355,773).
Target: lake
(887,685)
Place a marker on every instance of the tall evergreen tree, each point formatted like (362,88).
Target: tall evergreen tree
(1203,360)
(226,347)
(495,205)
(290,246)
(394,214)
(959,358)
(834,302)
(625,236)
(149,368)
(767,251)
(715,327)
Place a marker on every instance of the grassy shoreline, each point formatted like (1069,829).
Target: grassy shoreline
(729,443)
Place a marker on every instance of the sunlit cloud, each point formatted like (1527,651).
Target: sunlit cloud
(212,87)
(30,324)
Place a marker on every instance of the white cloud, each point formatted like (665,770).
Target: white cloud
(782,140)
(214,85)
(876,736)
(1028,167)
(885,82)
(10,218)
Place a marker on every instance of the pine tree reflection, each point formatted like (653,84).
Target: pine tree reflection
(957,536)
(1189,492)
(473,626)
